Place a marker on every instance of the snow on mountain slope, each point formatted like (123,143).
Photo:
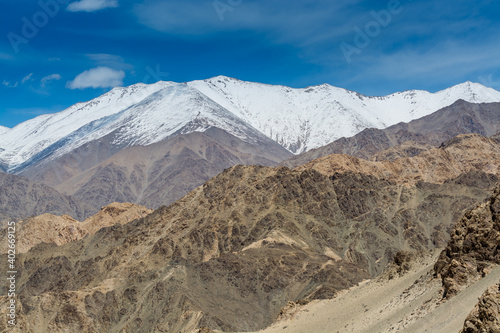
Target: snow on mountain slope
(303,119)
(176,108)
(30,137)
(3,129)
(297,119)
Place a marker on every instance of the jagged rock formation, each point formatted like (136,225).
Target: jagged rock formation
(431,130)
(59,230)
(486,314)
(474,246)
(463,154)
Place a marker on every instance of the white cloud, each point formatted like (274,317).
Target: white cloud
(27,78)
(8,84)
(99,77)
(91,5)
(51,77)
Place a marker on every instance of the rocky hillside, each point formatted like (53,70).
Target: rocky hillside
(233,252)
(462,154)
(460,118)
(410,297)
(474,246)
(153,175)
(485,317)
(59,230)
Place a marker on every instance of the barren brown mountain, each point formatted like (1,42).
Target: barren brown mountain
(410,297)
(59,230)
(463,154)
(233,252)
(474,246)
(21,198)
(99,173)
(429,131)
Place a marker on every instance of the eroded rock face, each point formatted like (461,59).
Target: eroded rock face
(59,230)
(473,247)
(486,314)
(232,253)
(467,153)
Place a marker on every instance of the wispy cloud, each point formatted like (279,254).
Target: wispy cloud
(99,77)
(9,84)
(91,5)
(27,78)
(5,56)
(276,17)
(48,78)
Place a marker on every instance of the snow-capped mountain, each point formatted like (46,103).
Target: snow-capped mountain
(297,119)
(136,115)
(3,129)
(303,119)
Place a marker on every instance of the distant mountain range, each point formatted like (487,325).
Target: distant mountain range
(234,252)
(296,119)
(152,144)
(411,138)
(234,247)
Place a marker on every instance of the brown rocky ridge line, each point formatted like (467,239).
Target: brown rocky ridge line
(464,153)
(474,246)
(59,230)
(99,172)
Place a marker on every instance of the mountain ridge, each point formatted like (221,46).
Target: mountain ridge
(232,253)
(297,119)
(429,131)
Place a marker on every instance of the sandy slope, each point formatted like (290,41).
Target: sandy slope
(407,304)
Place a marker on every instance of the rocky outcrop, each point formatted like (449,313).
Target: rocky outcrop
(474,246)
(59,230)
(486,314)
(467,153)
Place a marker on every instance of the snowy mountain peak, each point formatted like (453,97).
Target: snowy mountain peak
(306,118)
(297,119)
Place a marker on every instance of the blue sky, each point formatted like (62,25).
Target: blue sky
(54,53)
